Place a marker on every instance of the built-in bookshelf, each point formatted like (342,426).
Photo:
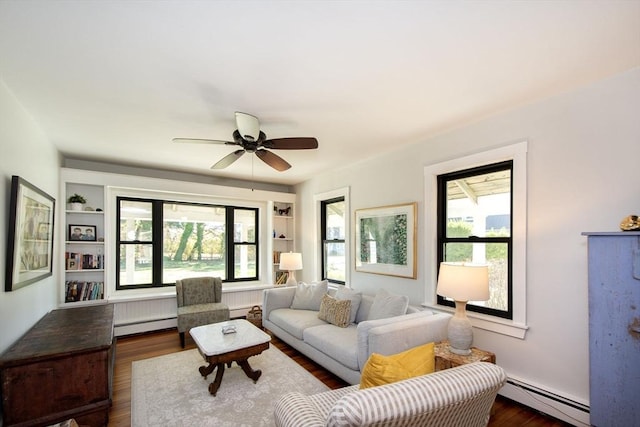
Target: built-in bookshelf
(83,291)
(281,277)
(283,237)
(84,251)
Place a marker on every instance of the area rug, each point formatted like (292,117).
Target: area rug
(169,391)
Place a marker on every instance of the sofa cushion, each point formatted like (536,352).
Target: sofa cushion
(295,321)
(380,370)
(335,311)
(365,308)
(395,341)
(309,296)
(353,296)
(386,305)
(294,409)
(338,343)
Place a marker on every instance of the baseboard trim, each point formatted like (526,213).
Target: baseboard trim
(547,402)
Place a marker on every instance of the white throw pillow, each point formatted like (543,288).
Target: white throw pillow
(309,296)
(387,305)
(354,297)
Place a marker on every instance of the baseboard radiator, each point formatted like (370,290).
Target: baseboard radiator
(133,317)
(554,404)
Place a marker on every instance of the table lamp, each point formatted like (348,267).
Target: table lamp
(462,283)
(291,261)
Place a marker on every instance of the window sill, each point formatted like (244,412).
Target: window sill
(242,287)
(142,294)
(488,323)
(170,292)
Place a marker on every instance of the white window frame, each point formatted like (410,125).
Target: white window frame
(317,201)
(517,152)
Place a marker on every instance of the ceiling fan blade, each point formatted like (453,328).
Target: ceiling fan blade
(273,160)
(202,141)
(248,126)
(291,143)
(228,159)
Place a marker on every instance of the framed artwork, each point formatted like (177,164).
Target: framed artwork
(386,240)
(84,233)
(30,245)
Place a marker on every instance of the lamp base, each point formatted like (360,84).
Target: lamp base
(291,280)
(460,332)
(460,352)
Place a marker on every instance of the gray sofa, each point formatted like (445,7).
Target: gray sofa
(344,351)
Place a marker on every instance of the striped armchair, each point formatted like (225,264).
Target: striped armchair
(461,396)
(199,303)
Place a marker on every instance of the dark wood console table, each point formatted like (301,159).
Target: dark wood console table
(61,368)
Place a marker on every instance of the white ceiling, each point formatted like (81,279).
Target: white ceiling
(115,81)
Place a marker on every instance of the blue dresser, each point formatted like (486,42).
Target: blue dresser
(614,328)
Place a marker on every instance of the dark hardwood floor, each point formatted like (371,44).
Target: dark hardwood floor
(506,413)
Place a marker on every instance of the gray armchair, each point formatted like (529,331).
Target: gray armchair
(199,303)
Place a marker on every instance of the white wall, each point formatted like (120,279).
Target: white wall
(583,156)
(24,151)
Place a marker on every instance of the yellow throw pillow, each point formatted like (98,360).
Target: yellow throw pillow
(381,370)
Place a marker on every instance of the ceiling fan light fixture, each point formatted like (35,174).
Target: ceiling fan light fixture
(248,126)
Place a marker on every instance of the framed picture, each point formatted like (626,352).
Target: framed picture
(30,245)
(86,233)
(386,240)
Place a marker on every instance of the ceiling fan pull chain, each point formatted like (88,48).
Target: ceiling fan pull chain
(253,180)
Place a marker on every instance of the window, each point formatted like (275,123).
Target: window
(333,247)
(160,241)
(474,226)
(498,320)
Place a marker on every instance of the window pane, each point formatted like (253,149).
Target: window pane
(193,242)
(335,221)
(135,221)
(135,264)
(495,256)
(244,227)
(245,262)
(479,204)
(334,262)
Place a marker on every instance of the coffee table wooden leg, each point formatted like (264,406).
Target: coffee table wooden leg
(254,375)
(215,385)
(206,370)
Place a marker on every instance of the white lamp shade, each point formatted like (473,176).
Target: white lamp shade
(290,261)
(463,282)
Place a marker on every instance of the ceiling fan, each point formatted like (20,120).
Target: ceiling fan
(252,140)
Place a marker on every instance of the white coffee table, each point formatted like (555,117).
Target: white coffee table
(219,349)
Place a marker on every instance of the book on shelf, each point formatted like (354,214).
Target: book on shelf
(281,277)
(76,290)
(79,261)
(276,257)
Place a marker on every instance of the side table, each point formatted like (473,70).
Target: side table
(445,359)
